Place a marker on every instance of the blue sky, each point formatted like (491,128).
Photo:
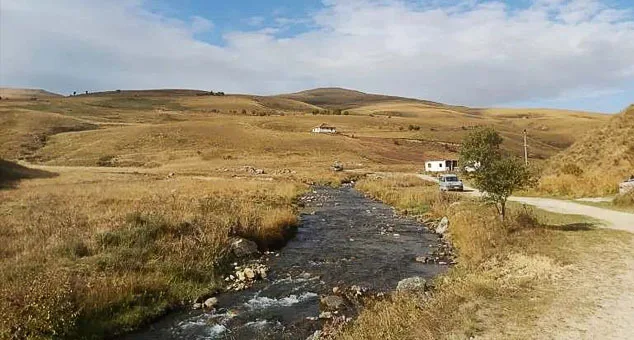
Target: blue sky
(576,54)
(229,16)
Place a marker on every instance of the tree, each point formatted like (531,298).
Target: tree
(495,174)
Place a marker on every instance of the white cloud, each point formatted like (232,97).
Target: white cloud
(472,52)
(201,25)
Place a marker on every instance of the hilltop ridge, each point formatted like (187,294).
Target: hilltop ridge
(25,93)
(341,98)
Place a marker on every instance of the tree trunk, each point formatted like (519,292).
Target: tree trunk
(503,210)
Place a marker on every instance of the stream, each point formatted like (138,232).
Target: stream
(345,239)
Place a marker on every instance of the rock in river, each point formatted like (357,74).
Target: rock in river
(210,303)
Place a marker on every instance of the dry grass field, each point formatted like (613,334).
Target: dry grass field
(596,163)
(91,252)
(8,93)
(116,207)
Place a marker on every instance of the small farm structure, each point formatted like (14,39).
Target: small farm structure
(441,165)
(324,128)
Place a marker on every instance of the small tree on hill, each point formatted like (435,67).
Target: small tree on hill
(493,173)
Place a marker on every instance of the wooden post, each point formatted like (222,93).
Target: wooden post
(525,149)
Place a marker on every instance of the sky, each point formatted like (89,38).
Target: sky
(575,54)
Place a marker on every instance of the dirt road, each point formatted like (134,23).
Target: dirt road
(609,218)
(606,285)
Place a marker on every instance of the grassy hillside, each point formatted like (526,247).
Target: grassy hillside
(338,98)
(23,131)
(160,127)
(9,93)
(595,164)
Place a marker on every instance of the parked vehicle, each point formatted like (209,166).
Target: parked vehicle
(450,182)
(626,186)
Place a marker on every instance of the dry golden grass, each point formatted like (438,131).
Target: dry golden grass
(25,131)
(89,253)
(625,200)
(184,124)
(410,194)
(549,131)
(595,164)
(7,93)
(108,241)
(507,275)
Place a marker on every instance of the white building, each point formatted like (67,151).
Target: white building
(472,168)
(324,128)
(441,165)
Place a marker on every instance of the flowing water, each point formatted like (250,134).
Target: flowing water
(345,239)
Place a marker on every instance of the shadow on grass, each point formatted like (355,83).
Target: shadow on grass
(11,173)
(573,227)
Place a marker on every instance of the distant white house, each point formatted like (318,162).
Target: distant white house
(324,128)
(441,165)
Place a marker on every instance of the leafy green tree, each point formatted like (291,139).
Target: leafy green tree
(495,174)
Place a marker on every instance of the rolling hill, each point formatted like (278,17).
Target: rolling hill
(170,127)
(340,98)
(20,94)
(597,162)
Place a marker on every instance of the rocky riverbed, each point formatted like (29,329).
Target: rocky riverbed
(347,248)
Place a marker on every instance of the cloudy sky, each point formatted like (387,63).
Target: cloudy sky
(534,53)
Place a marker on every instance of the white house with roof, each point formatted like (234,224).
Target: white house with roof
(324,128)
(441,165)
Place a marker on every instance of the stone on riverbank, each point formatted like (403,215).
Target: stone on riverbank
(442,226)
(332,302)
(415,283)
(241,247)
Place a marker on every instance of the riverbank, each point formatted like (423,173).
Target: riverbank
(348,249)
(90,254)
(526,278)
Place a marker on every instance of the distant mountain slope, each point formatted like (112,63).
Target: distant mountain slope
(148,93)
(597,162)
(334,97)
(19,93)
(203,98)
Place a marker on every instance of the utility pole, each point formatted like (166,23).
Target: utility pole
(525,150)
